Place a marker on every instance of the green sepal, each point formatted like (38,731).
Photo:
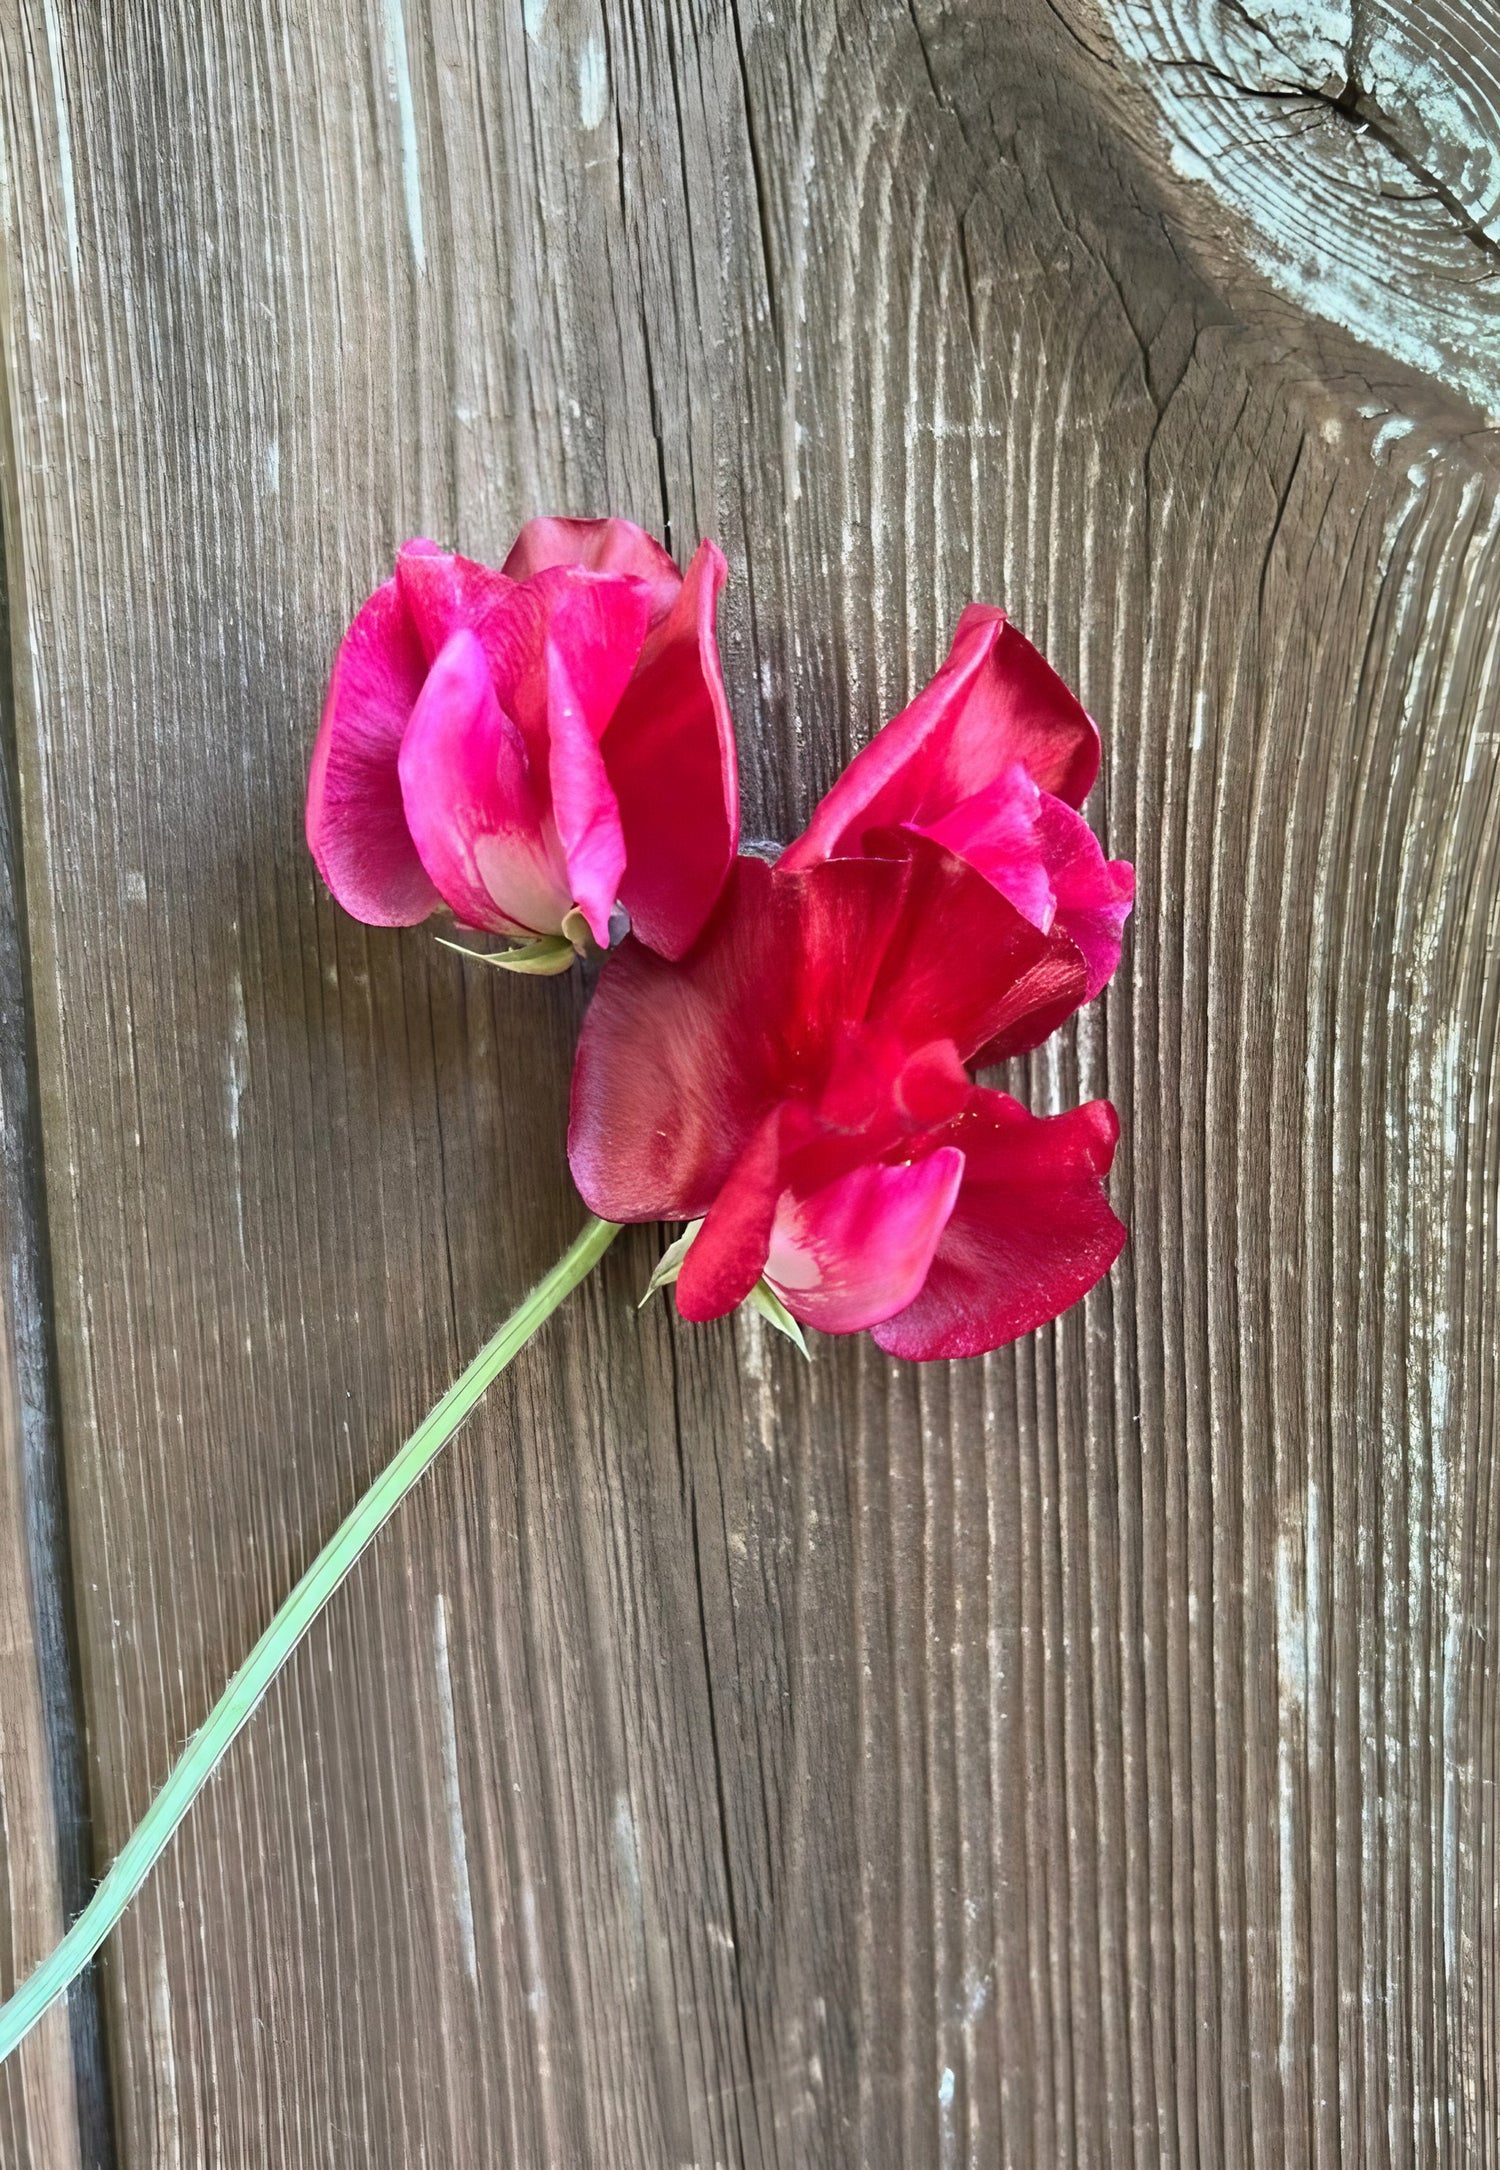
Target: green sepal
(764,1299)
(669,1265)
(546,955)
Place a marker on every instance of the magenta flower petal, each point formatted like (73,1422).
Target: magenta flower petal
(1094,894)
(1047,860)
(563,631)
(597,623)
(860,1249)
(471,802)
(995,703)
(1031,1230)
(356,825)
(671,760)
(583,806)
(996,831)
(600,546)
(444,591)
(595,630)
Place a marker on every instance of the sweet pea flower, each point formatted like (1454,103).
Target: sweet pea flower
(544,749)
(993,758)
(798,1086)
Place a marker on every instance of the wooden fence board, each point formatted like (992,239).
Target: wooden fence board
(44,1862)
(1084,1756)
(38,2111)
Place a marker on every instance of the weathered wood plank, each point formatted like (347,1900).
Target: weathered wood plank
(38,2120)
(1084,1756)
(38,2114)
(40,1766)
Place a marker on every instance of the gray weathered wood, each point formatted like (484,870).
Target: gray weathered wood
(44,1851)
(1084,1756)
(38,2114)
(1349,151)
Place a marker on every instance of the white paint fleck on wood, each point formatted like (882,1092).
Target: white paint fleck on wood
(458,1842)
(398,71)
(593,81)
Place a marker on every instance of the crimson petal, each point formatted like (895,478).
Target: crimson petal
(725,1258)
(962,963)
(994,702)
(671,760)
(1030,1233)
(677,1064)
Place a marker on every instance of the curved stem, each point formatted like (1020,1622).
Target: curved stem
(293,1619)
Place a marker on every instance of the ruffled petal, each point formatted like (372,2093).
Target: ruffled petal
(1093,894)
(1042,855)
(1021,705)
(356,824)
(471,803)
(602,546)
(672,1069)
(596,622)
(1044,997)
(859,1250)
(997,832)
(671,760)
(995,703)
(962,963)
(444,591)
(1031,1230)
(678,1063)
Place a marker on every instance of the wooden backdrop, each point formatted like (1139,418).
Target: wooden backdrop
(1084,1756)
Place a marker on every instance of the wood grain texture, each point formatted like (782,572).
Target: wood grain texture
(1084,1756)
(38,2114)
(1353,149)
(44,1853)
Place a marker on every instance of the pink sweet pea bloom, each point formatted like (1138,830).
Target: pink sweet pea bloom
(992,759)
(535,747)
(799,1084)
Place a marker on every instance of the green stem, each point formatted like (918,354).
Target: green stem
(236,1705)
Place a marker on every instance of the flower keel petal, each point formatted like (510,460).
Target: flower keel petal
(470,801)
(860,1249)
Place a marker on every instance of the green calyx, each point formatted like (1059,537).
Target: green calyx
(541,958)
(762,1299)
